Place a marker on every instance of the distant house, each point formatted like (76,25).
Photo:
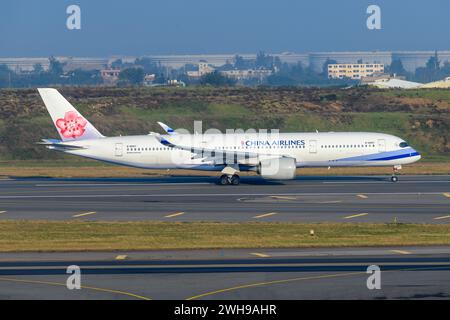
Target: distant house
(148,79)
(247,74)
(110,75)
(203,68)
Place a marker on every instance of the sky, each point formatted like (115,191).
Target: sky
(147,27)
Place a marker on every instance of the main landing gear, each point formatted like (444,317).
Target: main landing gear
(229,179)
(395,170)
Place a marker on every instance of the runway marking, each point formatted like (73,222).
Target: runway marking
(379,182)
(261,255)
(440,218)
(121,257)
(446,194)
(362,196)
(325,202)
(400,251)
(83,287)
(84,214)
(174,215)
(119,184)
(265,215)
(356,215)
(274,282)
(283,197)
(300,279)
(78,196)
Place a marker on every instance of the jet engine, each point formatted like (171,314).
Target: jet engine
(277,168)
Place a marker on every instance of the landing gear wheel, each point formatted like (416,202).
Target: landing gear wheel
(235,180)
(394,178)
(223,180)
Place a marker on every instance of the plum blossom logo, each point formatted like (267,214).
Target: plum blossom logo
(72,126)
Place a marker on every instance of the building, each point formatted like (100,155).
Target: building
(240,75)
(354,71)
(110,75)
(203,68)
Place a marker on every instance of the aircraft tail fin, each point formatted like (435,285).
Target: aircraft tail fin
(71,125)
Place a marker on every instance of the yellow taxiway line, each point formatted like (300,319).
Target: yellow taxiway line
(356,215)
(83,287)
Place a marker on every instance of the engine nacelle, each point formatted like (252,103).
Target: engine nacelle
(277,168)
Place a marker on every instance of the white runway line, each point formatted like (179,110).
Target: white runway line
(379,182)
(84,214)
(118,184)
(77,196)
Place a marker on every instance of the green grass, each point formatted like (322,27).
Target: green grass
(94,236)
(433,94)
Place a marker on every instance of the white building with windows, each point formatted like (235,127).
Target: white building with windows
(354,71)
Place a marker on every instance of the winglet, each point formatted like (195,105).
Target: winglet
(161,140)
(166,128)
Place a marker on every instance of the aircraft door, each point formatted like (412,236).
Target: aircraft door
(119,149)
(312,146)
(381,145)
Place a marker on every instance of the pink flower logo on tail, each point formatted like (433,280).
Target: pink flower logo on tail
(72,126)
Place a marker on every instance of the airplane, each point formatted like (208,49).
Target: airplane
(274,157)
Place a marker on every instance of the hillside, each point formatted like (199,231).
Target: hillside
(420,116)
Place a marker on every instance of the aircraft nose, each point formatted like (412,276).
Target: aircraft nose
(416,153)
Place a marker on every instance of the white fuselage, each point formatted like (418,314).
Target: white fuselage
(331,149)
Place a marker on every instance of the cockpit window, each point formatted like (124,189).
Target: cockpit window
(403,144)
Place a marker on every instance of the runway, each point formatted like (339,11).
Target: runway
(406,273)
(415,199)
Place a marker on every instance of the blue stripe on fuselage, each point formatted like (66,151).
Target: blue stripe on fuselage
(406,155)
(384,156)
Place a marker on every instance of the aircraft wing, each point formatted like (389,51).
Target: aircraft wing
(219,156)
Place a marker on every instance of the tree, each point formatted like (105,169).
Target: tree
(325,66)
(241,64)
(433,63)
(263,61)
(56,67)
(5,76)
(431,71)
(396,67)
(216,79)
(131,76)
(149,65)
(37,68)
(117,64)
